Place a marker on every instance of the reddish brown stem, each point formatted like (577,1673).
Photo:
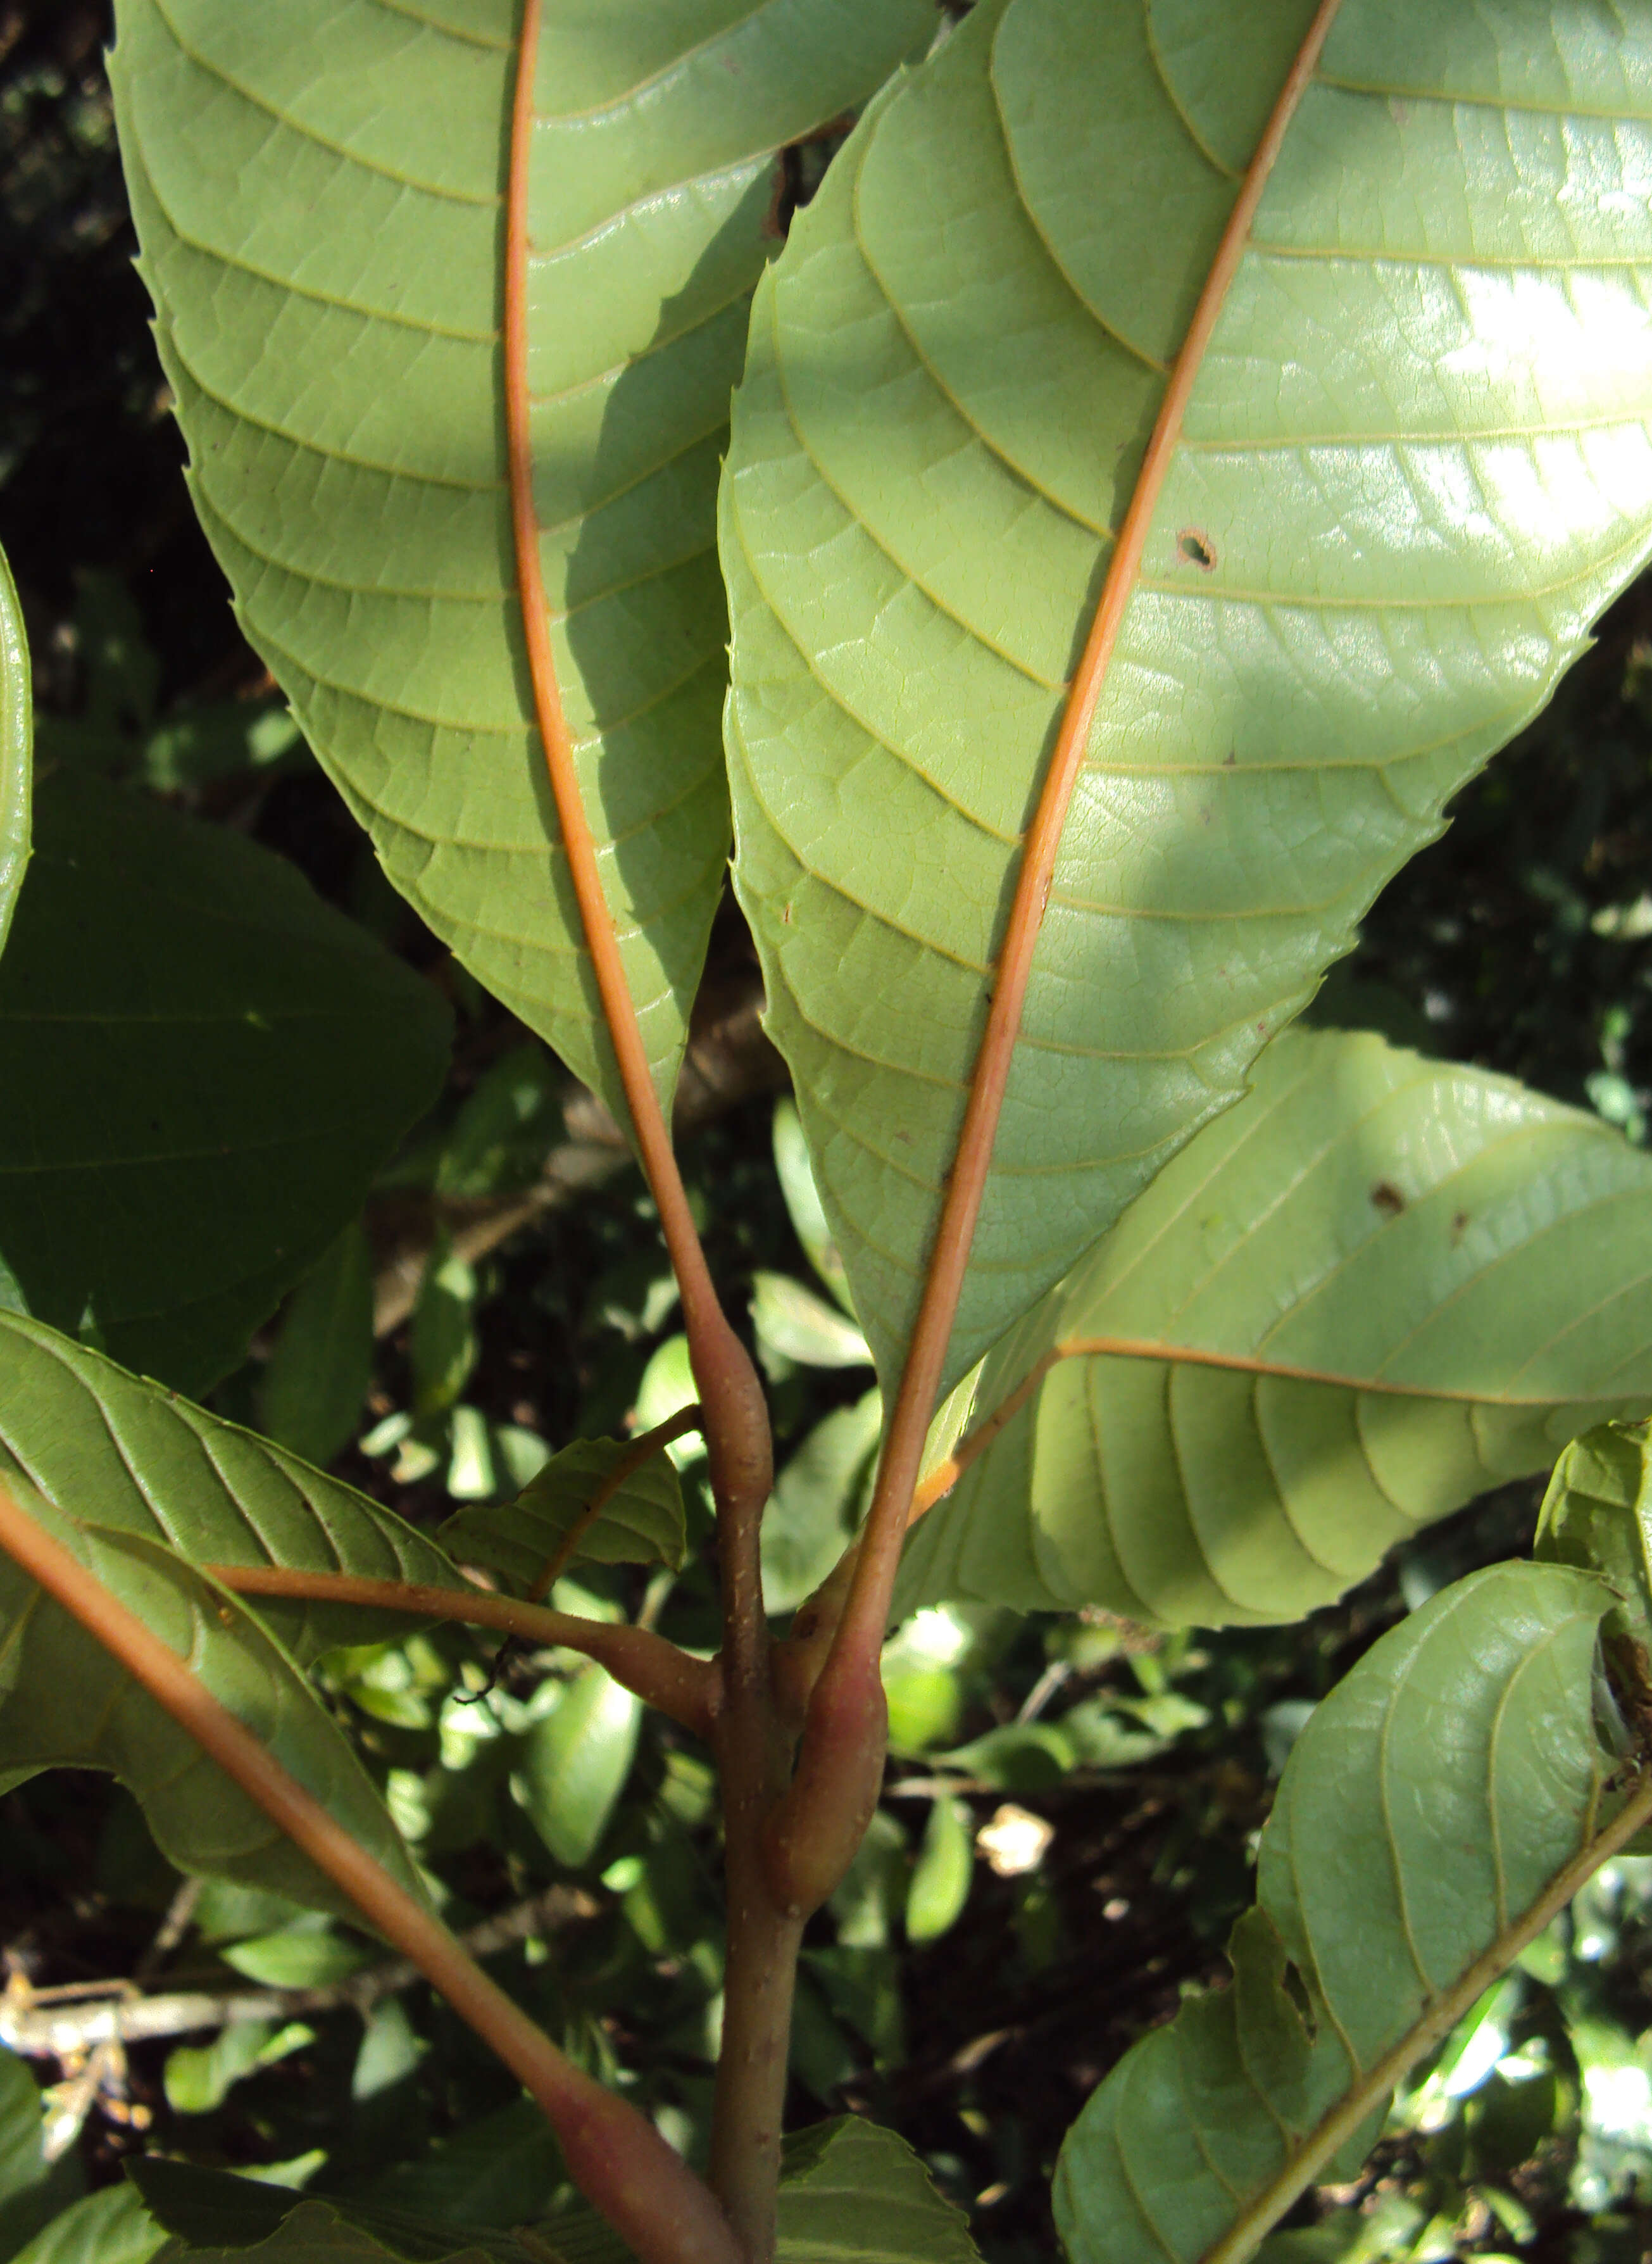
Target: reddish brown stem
(640,1452)
(736,1419)
(737,1424)
(646,1664)
(616,2156)
(860,1630)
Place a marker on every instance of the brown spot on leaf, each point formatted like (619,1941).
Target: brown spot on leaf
(1386,1198)
(1196,548)
(1459,1226)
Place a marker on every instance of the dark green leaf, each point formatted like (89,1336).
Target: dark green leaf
(254,1057)
(320,1370)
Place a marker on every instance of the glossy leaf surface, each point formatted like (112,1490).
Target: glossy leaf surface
(254,1057)
(1396,1858)
(642,1523)
(1474,1262)
(320,202)
(69,1704)
(17,726)
(1412,469)
(115,1449)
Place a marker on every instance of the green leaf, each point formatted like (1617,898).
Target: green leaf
(299,1957)
(576,1762)
(442,1348)
(792,1321)
(69,1704)
(32,2190)
(642,1524)
(508,1121)
(1413,468)
(100,1443)
(109,2227)
(809,1221)
(320,1371)
(849,2189)
(199,2077)
(1392,1875)
(254,1058)
(323,196)
(1598,1514)
(16,723)
(944,1871)
(1472,1259)
(810,1517)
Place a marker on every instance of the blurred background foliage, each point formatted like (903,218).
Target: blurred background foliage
(1071,1806)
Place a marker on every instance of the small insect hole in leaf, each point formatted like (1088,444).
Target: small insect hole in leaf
(1386,1198)
(1296,1989)
(1197,549)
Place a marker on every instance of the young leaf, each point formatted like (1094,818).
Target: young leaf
(320,1370)
(318,197)
(642,1523)
(17,714)
(253,1057)
(1376,1286)
(69,1704)
(102,1444)
(1401,1870)
(1412,468)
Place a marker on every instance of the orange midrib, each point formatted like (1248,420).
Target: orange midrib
(926,1354)
(715,1355)
(939,1481)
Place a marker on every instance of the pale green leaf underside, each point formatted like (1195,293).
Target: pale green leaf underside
(69,1704)
(642,1524)
(17,732)
(1485,1253)
(1414,467)
(118,1452)
(1395,1858)
(318,194)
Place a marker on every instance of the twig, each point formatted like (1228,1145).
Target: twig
(648,1664)
(122,2014)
